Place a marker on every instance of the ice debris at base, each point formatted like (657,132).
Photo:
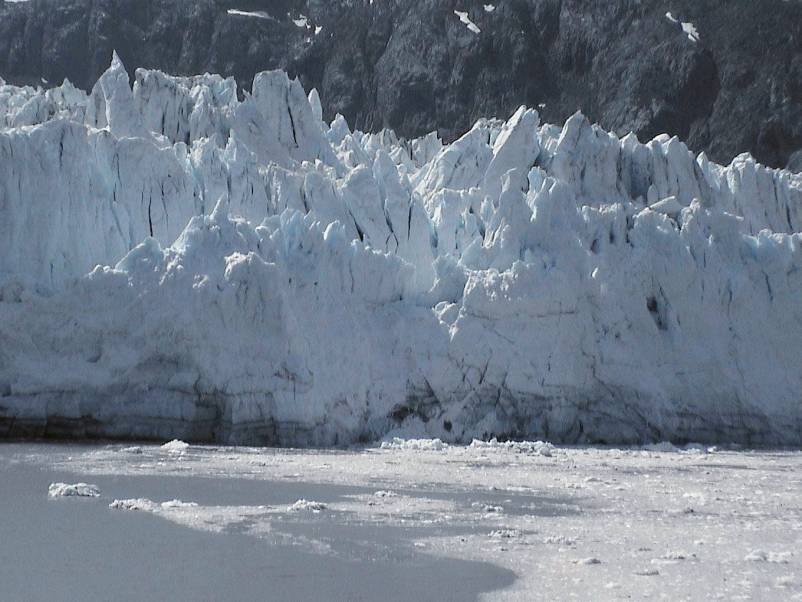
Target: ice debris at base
(75,490)
(420,444)
(176,262)
(526,447)
(136,450)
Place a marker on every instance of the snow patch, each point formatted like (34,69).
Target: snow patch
(244,13)
(464,18)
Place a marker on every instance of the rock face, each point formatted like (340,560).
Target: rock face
(177,262)
(724,76)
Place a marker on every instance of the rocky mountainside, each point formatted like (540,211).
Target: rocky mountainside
(729,80)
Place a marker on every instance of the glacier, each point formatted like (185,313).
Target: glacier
(183,259)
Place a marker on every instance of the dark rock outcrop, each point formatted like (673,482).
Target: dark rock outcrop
(413,66)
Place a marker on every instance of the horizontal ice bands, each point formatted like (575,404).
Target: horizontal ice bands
(176,262)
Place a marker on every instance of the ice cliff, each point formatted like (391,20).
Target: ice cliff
(179,261)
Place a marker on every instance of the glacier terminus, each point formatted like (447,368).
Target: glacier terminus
(181,259)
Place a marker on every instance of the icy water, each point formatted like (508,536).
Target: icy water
(80,549)
(438,523)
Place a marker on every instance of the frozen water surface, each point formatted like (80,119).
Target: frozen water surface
(436,522)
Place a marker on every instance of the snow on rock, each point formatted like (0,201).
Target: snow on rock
(688,28)
(178,263)
(691,31)
(76,490)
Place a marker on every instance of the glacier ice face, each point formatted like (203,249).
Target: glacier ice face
(178,263)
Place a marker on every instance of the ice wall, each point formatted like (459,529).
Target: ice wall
(176,262)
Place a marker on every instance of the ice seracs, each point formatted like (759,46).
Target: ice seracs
(177,262)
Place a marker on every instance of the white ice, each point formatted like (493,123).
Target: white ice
(179,263)
(74,490)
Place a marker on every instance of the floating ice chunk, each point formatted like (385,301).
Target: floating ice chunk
(487,508)
(505,534)
(172,504)
(303,505)
(588,561)
(137,504)
(464,18)
(175,447)
(561,540)
(74,490)
(675,555)
(773,557)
